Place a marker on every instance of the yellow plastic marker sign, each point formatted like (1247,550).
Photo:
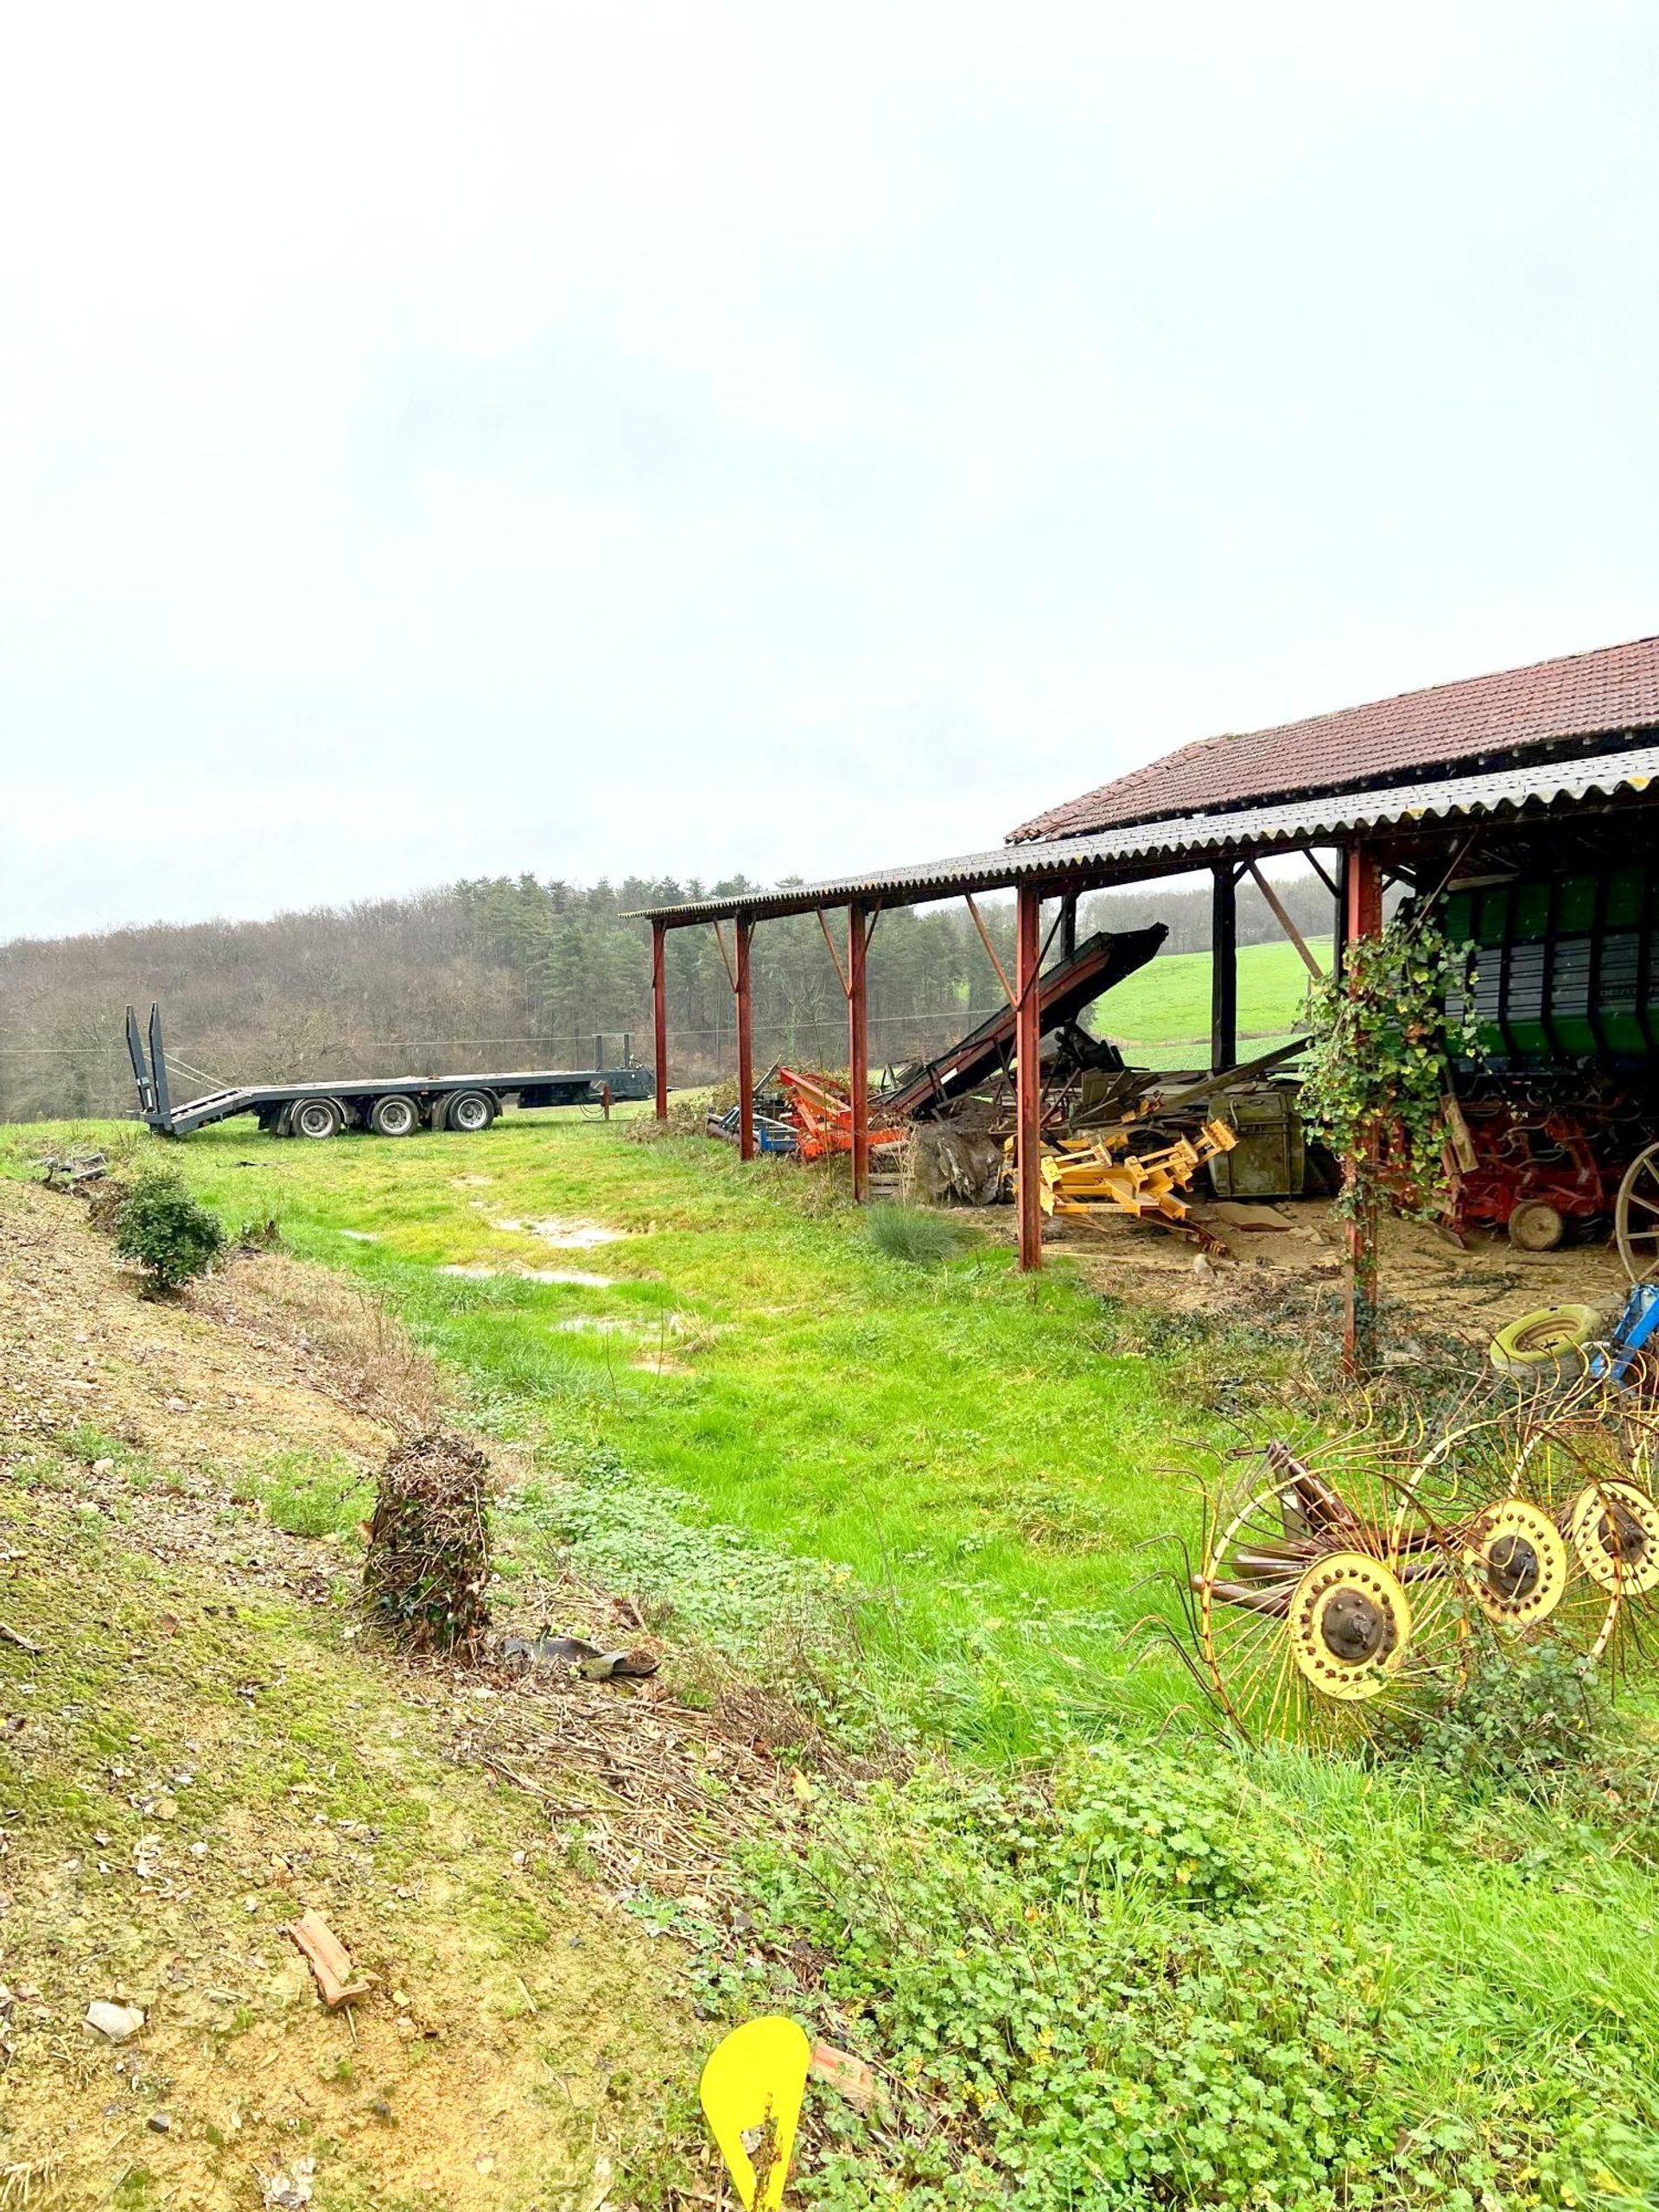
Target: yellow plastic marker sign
(750,2090)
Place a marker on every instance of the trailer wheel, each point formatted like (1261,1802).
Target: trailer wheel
(316,1118)
(396,1116)
(1536,1226)
(470,1111)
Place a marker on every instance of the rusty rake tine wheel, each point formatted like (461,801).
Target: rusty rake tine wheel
(1144,1582)
(1151,1629)
(1284,1682)
(1146,1628)
(1204,1717)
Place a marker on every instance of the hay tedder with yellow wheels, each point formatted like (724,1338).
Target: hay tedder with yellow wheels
(1342,1587)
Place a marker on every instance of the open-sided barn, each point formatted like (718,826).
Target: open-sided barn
(1523,803)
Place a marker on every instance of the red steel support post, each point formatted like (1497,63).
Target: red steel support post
(858,1049)
(660,1014)
(1362,918)
(1028,1075)
(745,1045)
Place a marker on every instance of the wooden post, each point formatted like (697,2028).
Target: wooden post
(660,1014)
(1029,1074)
(1224,969)
(858,1049)
(1068,925)
(744,1044)
(1362,918)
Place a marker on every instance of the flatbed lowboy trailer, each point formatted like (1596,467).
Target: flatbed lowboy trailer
(386,1106)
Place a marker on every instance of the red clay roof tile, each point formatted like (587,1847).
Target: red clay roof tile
(1584,695)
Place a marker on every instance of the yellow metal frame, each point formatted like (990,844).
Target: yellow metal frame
(1084,1178)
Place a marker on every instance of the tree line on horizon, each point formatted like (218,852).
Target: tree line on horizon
(514,971)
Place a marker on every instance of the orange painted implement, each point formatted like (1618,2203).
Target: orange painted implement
(821,1108)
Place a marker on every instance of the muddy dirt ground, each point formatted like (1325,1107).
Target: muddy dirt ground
(1287,1259)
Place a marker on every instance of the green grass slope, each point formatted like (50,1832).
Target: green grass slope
(1167,1004)
(985,1454)
(1101,1961)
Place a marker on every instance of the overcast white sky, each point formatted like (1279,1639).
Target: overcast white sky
(594,438)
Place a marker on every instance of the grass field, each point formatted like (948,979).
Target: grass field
(1104,1962)
(1165,1006)
(983,1456)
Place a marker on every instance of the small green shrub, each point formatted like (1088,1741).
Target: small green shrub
(1528,1720)
(313,1494)
(922,1240)
(1194,1835)
(162,1227)
(89,1443)
(1112,1993)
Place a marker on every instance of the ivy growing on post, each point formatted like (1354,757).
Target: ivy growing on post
(1376,1077)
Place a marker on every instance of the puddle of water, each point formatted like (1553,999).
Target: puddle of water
(566,1236)
(361,1235)
(579,1277)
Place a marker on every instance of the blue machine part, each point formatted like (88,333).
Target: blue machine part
(1638,1328)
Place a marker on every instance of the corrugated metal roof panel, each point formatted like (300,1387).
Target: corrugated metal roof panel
(1592,695)
(1106,853)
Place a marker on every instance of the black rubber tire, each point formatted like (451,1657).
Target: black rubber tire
(324,1116)
(478,1109)
(394,1116)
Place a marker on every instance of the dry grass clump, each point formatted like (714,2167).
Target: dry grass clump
(373,1365)
(26,2181)
(105,1200)
(428,1557)
(687,1114)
